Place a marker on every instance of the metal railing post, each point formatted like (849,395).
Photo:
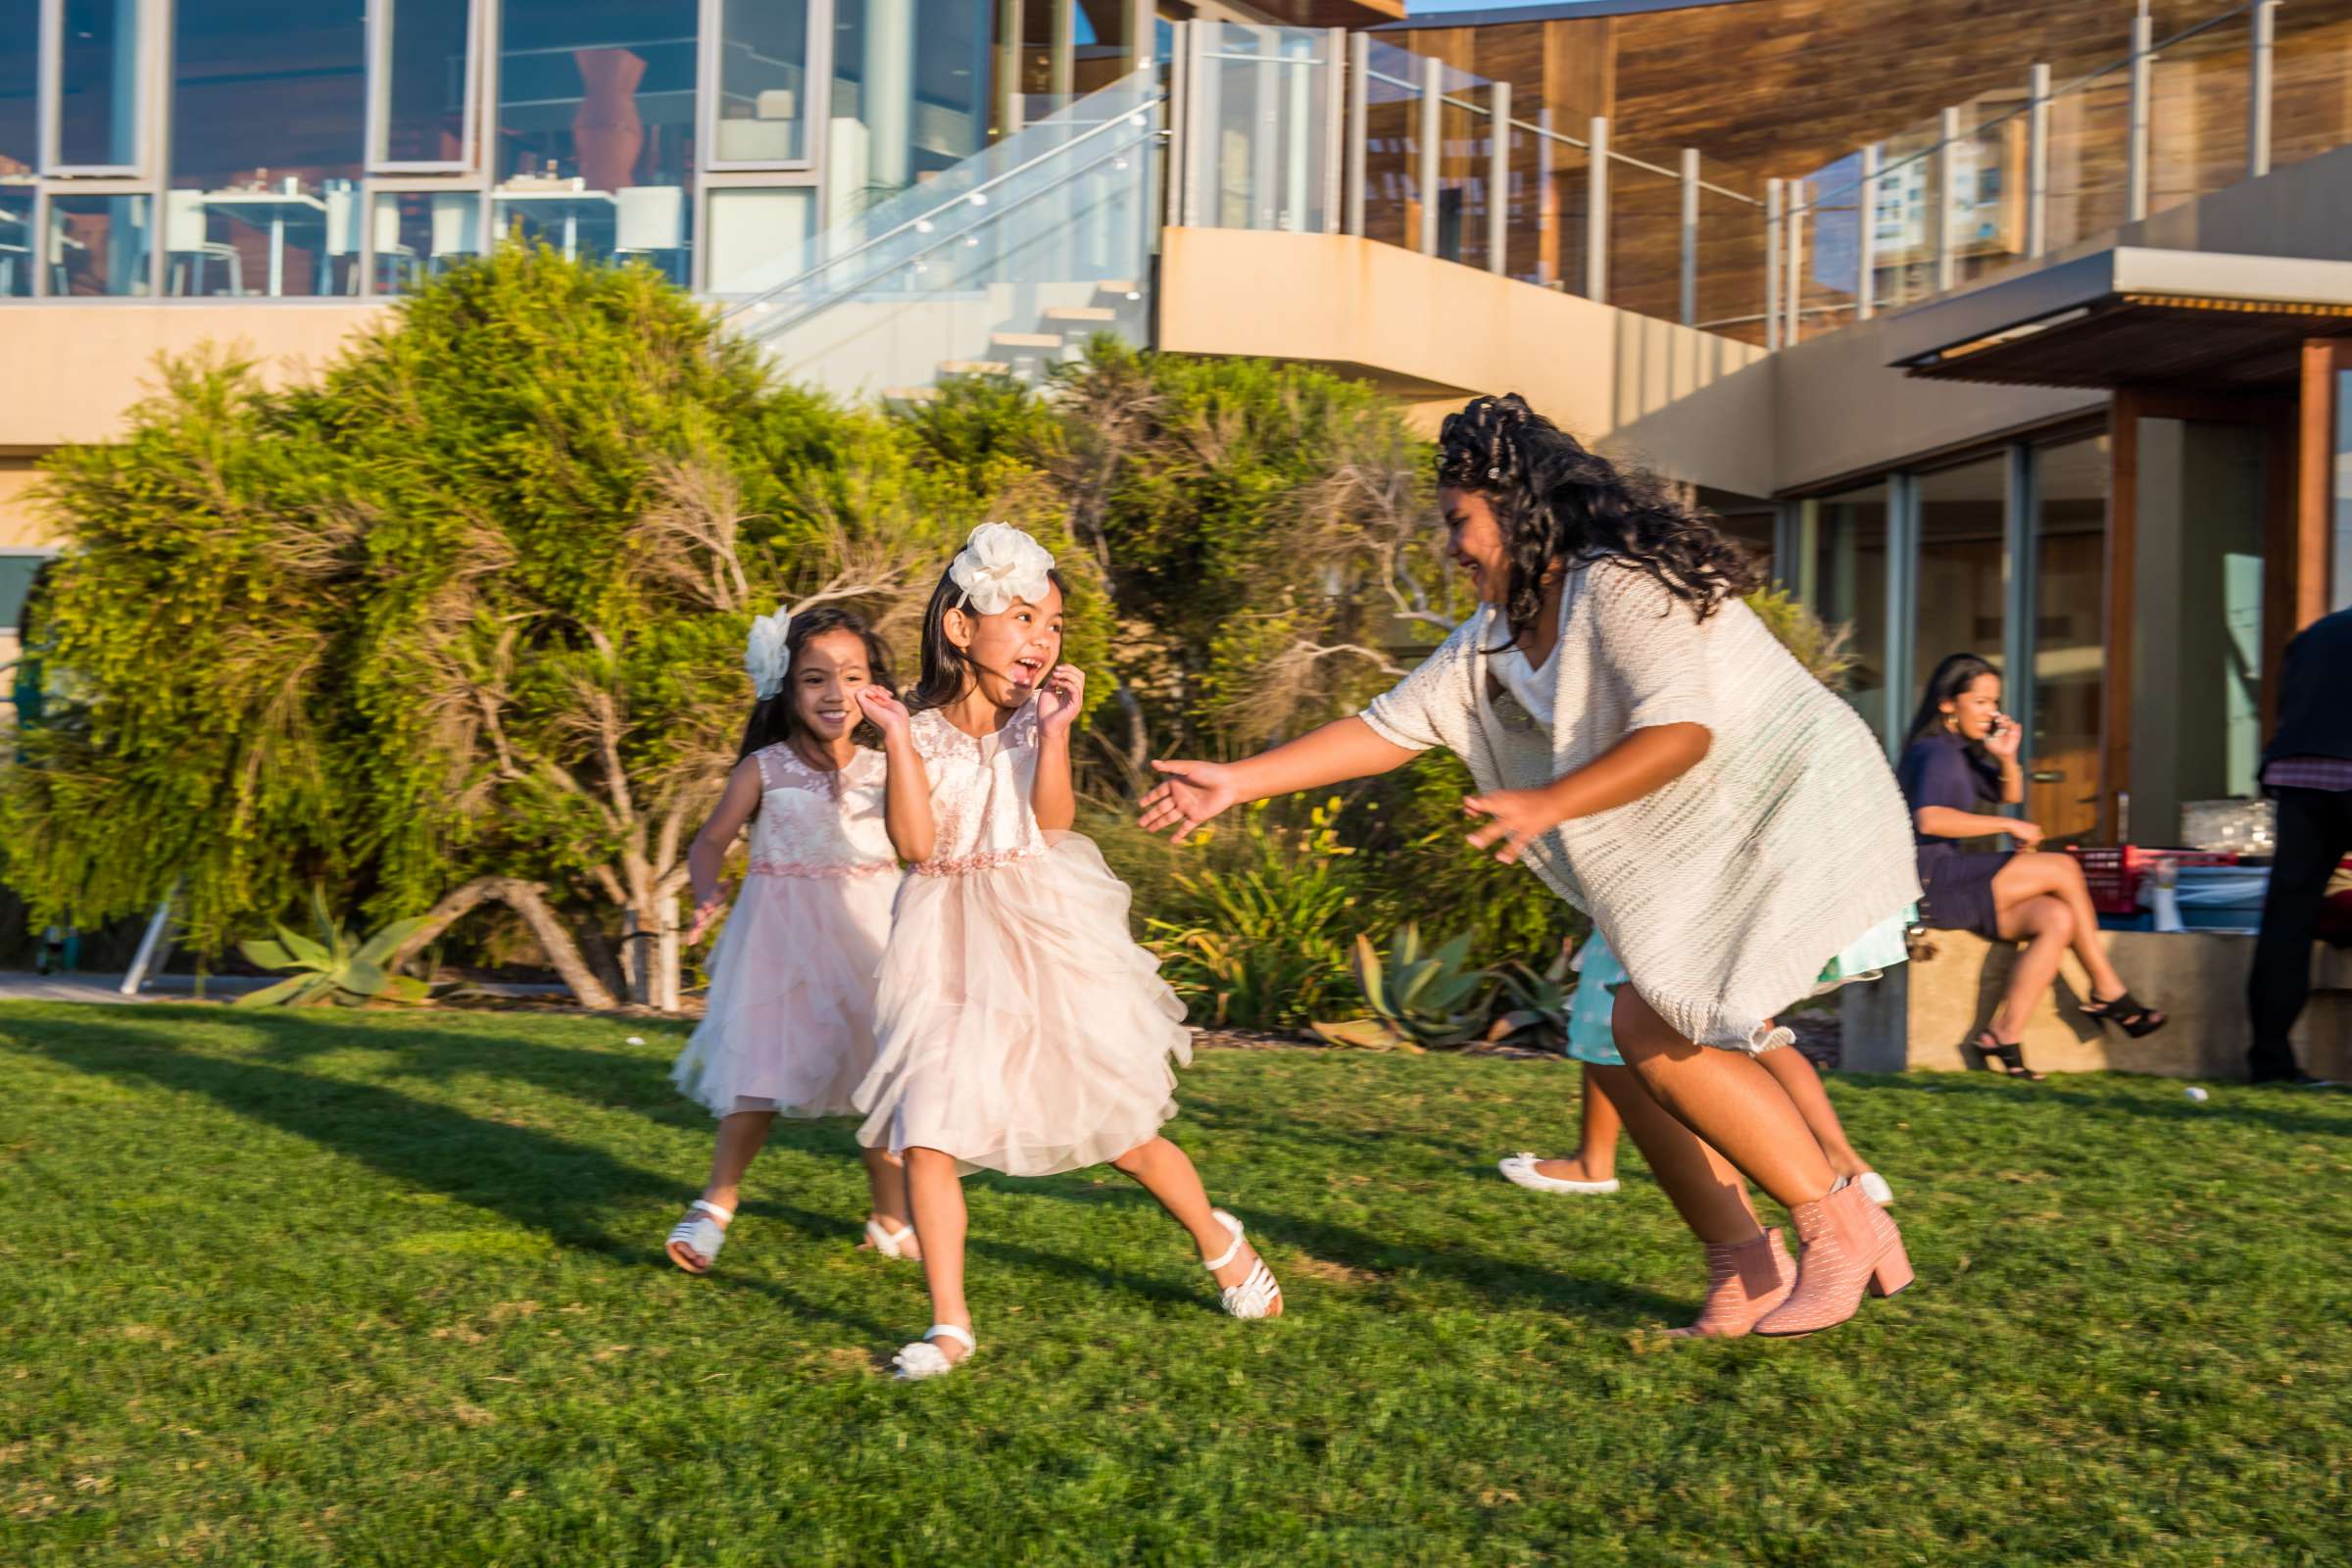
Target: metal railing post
(1773,198)
(1689,292)
(1947,199)
(1179,122)
(1335,155)
(1359,125)
(2038,161)
(1596,212)
(1866,238)
(1433,104)
(2143,75)
(1793,252)
(2259,89)
(1498,179)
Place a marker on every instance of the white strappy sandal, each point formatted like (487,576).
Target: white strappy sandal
(1521,1168)
(1257,1295)
(889,1242)
(923,1359)
(706,1233)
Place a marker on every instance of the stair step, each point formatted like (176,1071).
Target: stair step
(1028,340)
(1118,287)
(975,368)
(1081,313)
(910,394)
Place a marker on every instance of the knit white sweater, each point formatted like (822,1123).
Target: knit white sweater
(1726,892)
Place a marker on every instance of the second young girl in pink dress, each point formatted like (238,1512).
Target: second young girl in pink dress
(1021,1028)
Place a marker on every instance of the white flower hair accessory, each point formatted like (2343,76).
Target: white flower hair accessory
(999,564)
(766,659)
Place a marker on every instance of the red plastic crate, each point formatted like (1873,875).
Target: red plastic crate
(2115,875)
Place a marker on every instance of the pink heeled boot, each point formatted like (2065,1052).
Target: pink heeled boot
(1745,1281)
(1848,1245)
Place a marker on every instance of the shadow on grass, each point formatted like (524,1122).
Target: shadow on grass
(2276,1109)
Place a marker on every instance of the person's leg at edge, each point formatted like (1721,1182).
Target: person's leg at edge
(2314,827)
(1167,1172)
(1729,1100)
(2043,874)
(1596,1156)
(741,1134)
(1800,1080)
(2047,927)
(935,1197)
(886,1198)
(1704,1189)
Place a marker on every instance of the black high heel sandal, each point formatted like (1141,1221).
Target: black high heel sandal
(2010,1053)
(2126,1013)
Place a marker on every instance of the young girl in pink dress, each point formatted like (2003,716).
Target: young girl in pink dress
(789,1029)
(1021,1028)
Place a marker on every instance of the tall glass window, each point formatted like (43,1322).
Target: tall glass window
(2070,649)
(424,55)
(20,96)
(911,96)
(1963,514)
(2341,599)
(98,245)
(759,238)
(1849,577)
(596,126)
(763,82)
(267,111)
(98,85)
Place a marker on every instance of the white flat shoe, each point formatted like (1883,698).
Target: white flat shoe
(1258,1295)
(1521,1168)
(1874,1187)
(923,1359)
(889,1242)
(706,1232)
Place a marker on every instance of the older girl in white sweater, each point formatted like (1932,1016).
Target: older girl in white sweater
(1642,740)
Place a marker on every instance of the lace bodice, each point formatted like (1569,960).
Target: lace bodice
(814,822)
(979,791)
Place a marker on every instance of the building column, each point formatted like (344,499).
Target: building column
(886,99)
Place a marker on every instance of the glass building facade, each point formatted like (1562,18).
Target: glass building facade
(309,149)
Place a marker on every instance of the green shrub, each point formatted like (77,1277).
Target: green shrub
(1419,1001)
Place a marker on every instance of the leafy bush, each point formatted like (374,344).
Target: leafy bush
(1419,1001)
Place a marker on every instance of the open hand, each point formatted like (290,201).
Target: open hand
(2005,738)
(705,910)
(1063,693)
(1518,818)
(889,715)
(1190,795)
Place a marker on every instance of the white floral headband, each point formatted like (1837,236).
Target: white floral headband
(766,658)
(999,564)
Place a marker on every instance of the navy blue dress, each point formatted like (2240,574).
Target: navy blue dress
(1941,770)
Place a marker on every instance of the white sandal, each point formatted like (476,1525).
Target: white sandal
(706,1233)
(1874,1187)
(1259,1294)
(890,1244)
(1521,1168)
(923,1359)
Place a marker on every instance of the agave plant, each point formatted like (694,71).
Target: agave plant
(334,967)
(1540,1001)
(1419,1001)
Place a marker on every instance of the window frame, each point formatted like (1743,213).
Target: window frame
(48,90)
(817,71)
(378,115)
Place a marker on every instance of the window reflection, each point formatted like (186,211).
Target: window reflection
(596,128)
(764,82)
(427,51)
(2069,641)
(421,234)
(98,83)
(1850,575)
(98,245)
(1962,515)
(20,65)
(268,105)
(16,243)
(759,238)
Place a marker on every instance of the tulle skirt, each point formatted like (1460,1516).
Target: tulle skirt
(789,1026)
(1022,1029)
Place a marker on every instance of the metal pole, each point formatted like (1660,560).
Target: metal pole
(2143,72)
(1866,238)
(1946,273)
(1432,93)
(1199,162)
(1689,299)
(1180,120)
(1360,124)
(1498,179)
(1792,251)
(1335,185)
(1773,198)
(1597,211)
(2038,161)
(151,945)
(2259,89)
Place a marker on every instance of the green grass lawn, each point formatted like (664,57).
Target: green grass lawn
(379,1288)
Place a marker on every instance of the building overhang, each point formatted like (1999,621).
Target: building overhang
(2131,314)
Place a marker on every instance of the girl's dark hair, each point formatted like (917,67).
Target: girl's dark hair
(772,722)
(944,666)
(1556,500)
(1953,676)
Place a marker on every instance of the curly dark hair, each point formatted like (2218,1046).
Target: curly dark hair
(1558,501)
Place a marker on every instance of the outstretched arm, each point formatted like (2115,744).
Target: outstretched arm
(907,796)
(1192,793)
(708,852)
(1645,760)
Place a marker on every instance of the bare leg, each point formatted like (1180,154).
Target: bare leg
(935,1194)
(1596,1158)
(740,1136)
(1706,1192)
(886,1198)
(1167,1172)
(1728,1100)
(2045,925)
(1802,1084)
(2059,877)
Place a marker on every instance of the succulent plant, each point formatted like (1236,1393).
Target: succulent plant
(1419,1001)
(335,967)
(1540,1001)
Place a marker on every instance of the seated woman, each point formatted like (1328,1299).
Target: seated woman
(1962,759)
